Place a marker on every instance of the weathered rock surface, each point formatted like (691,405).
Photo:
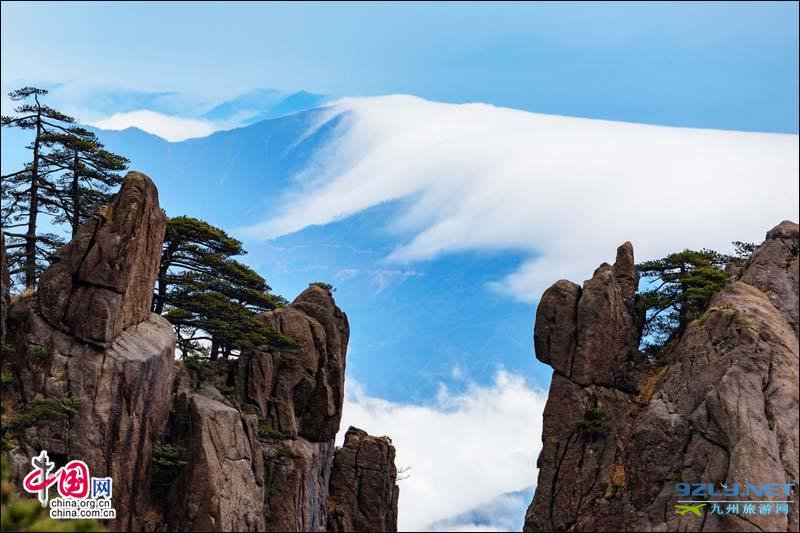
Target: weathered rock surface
(221,489)
(363,491)
(254,443)
(589,334)
(780,284)
(102,281)
(275,452)
(123,403)
(297,395)
(89,346)
(299,391)
(721,408)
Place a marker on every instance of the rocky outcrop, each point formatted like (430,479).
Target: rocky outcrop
(101,282)
(590,334)
(773,268)
(239,445)
(363,491)
(90,359)
(222,487)
(721,407)
(298,391)
(267,445)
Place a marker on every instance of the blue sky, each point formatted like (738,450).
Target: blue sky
(439,225)
(721,65)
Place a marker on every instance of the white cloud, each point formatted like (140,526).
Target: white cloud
(169,127)
(346,273)
(566,190)
(503,513)
(380,278)
(465,449)
(384,278)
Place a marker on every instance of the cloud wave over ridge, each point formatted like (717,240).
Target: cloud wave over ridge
(566,190)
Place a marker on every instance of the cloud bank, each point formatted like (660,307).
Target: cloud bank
(465,450)
(169,127)
(566,190)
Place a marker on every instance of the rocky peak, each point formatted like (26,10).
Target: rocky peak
(88,346)
(588,334)
(773,268)
(722,407)
(250,449)
(363,491)
(102,281)
(260,457)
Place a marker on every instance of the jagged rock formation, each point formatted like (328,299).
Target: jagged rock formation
(261,457)
(101,281)
(363,494)
(721,407)
(222,487)
(255,437)
(120,393)
(274,454)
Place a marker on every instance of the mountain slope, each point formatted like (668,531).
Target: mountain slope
(230,176)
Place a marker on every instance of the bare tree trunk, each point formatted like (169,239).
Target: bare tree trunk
(76,199)
(214,349)
(33,209)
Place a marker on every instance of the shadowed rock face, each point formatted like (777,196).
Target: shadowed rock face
(89,341)
(299,393)
(721,407)
(102,281)
(363,495)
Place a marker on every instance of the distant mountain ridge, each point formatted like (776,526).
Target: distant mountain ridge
(240,169)
(263,104)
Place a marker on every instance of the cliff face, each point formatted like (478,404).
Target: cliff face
(267,446)
(720,407)
(95,379)
(363,493)
(85,345)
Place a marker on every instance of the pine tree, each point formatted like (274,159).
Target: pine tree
(89,173)
(682,283)
(31,191)
(207,295)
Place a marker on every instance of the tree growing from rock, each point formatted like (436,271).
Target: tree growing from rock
(681,285)
(212,300)
(90,172)
(69,176)
(31,191)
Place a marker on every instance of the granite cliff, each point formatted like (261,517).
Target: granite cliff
(239,445)
(719,406)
